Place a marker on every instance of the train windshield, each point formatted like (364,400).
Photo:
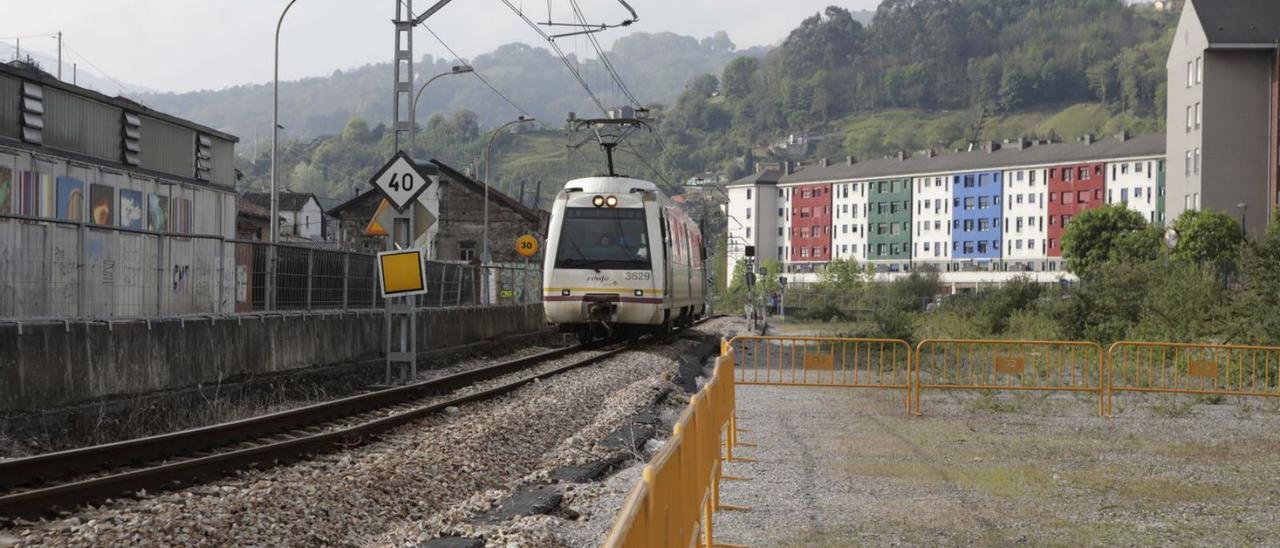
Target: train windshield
(603,238)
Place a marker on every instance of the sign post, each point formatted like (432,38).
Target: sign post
(401,181)
(526,246)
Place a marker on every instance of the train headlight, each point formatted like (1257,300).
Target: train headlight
(639,292)
(564,292)
(611,201)
(598,201)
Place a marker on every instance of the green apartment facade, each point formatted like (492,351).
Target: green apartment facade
(889,220)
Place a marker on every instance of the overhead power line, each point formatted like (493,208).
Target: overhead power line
(475,72)
(563,58)
(601,57)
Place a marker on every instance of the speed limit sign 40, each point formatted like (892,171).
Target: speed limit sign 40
(527,246)
(400,181)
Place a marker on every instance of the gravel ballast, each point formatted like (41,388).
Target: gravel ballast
(413,484)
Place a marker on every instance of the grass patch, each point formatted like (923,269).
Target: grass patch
(988,402)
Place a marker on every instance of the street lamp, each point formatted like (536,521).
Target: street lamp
(457,69)
(275,125)
(488,155)
(1244,208)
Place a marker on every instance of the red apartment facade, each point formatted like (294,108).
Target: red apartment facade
(811,223)
(1072,189)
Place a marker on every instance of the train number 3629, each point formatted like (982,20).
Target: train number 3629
(645,275)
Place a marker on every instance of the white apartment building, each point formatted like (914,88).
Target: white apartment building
(1025,238)
(1138,183)
(751,211)
(849,220)
(931,220)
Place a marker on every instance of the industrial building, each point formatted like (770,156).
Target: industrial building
(108,208)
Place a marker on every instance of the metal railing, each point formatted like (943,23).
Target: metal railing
(1186,368)
(53,269)
(679,492)
(953,364)
(823,361)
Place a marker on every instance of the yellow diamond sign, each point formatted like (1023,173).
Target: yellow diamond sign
(402,273)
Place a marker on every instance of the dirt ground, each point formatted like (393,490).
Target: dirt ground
(844,467)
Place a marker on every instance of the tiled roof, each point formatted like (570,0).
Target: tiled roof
(1009,155)
(289,201)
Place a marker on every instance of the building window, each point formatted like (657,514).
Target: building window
(1199,70)
(748,213)
(780,232)
(1189,118)
(466,251)
(1197,161)
(748,194)
(1197,115)
(1191,74)
(1032,177)
(1186,164)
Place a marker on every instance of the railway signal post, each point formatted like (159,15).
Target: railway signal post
(402,181)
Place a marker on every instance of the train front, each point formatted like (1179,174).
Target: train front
(604,262)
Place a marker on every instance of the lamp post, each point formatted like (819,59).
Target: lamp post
(1244,208)
(275,125)
(485,256)
(457,69)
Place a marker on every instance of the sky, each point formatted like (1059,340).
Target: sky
(185,45)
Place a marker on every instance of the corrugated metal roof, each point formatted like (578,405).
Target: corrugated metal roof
(1009,155)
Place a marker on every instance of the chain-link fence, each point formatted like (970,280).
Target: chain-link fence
(52,269)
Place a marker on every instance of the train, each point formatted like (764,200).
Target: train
(621,259)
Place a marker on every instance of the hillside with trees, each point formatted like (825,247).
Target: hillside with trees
(923,74)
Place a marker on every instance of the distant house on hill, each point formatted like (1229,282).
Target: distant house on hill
(303,218)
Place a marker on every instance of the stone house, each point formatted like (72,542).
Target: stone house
(457,202)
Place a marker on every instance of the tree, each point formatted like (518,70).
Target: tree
(1109,233)
(1103,79)
(1206,237)
(843,275)
(736,80)
(356,131)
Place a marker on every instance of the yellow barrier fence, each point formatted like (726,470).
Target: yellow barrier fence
(1184,368)
(1011,365)
(679,491)
(824,361)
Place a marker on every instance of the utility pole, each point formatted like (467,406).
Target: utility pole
(59,55)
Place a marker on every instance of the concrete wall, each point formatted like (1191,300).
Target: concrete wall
(1236,134)
(53,364)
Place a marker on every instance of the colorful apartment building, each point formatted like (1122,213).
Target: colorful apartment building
(1073,188)
(811,223)
(997,209)
(889,220)
(976,228)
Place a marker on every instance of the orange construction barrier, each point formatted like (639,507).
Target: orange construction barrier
(824,361)
(1186,368)
(678,493)
(1010,365)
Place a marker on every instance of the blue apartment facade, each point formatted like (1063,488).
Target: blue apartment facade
(976,218)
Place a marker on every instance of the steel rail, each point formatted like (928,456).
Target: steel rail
(62,464)
(190,469)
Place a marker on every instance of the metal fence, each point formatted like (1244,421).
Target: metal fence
(51,269)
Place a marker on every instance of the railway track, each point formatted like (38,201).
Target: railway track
(43,484)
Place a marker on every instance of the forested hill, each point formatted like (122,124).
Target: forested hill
(986,59)
(656,67)
(923,74)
